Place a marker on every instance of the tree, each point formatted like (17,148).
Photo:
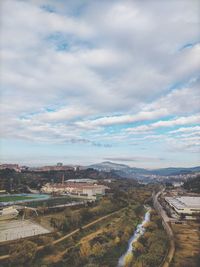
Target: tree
(85,249)
(153,212)
(22,253)
(139,210)
(150,226)
(117,240)
(97,249)
(193,184)
(128,259)
(66,225)
(138,248)
(76,219)
(157,219)
(147,235)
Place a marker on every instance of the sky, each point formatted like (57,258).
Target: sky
(85,81)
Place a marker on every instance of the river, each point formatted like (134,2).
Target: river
(138,232)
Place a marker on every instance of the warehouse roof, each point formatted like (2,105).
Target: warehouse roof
(184,202)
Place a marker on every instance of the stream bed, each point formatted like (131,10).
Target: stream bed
(140,230)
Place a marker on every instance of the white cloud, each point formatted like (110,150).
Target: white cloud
(184,100)
(123,119)
(193,119)
(84,67)
(63,114)
(187,130)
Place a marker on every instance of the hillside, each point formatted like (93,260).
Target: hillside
(193,184)
(108,166)
(127,171)
(17,181)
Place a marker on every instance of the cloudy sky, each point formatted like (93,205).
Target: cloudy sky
(84,81)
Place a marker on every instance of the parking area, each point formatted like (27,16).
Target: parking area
(16,229)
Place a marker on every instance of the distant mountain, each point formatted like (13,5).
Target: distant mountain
(175,171)
(108,166)
(127,171)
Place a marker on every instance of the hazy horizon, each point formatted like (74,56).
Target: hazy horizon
(42,163)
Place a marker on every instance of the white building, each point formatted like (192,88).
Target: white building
(77,189)
(184,205)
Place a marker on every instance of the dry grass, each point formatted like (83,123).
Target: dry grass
(187,242)
(57,256)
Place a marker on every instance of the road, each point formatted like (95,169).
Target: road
(167,227)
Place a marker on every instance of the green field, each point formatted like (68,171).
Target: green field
(14,198)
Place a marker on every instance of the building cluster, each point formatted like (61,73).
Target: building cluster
(58,167)
(167,178)
(79,189)
(14,167)
(184,205)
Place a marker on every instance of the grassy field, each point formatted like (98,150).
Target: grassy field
(187,241)
(14,198)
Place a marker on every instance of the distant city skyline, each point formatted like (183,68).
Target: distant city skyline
(90,81)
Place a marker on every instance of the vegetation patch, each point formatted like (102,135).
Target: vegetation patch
(151,248)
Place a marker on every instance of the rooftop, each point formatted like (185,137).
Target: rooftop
(184,202)
(76,185)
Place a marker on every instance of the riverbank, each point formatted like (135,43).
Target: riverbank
(140,230)
(150,248)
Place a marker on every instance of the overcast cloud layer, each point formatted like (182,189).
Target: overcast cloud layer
(82,81)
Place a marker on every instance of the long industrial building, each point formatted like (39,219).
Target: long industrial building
(185,205)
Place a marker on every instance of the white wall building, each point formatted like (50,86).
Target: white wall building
(79,189)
